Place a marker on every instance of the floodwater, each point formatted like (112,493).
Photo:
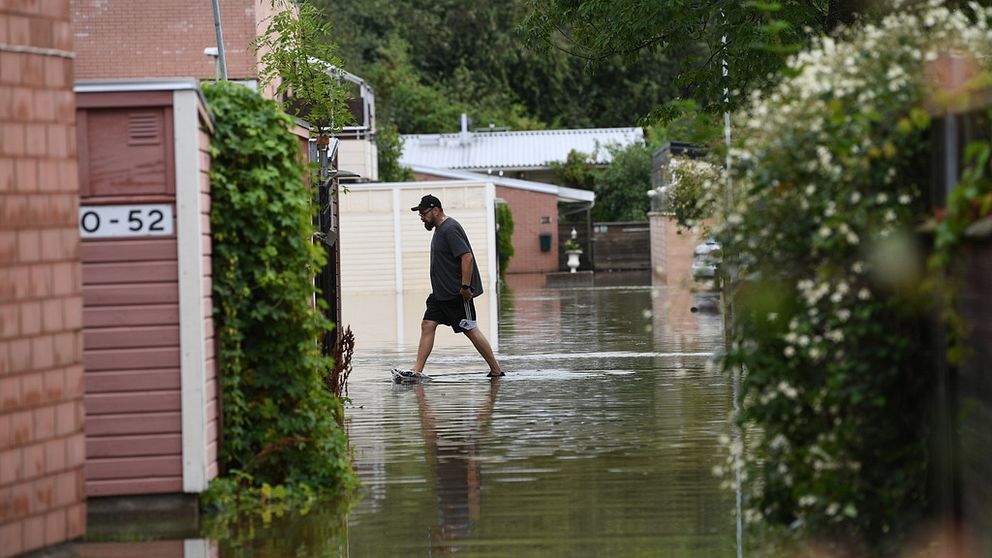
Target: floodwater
(600,441)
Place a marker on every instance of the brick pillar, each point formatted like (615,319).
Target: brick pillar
(41,374)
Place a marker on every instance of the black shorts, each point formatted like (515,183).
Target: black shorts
(448,312)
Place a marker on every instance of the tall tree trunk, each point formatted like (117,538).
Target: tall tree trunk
(842,12)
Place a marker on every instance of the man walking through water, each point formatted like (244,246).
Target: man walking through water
(455,282)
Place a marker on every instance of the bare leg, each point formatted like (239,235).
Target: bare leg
(427,331)
(482,345)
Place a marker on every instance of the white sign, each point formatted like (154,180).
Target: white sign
(118,221)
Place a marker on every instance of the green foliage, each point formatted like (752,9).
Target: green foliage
(471,57)
(968,203)
(693,190)
(622,187)
(504,236)
(298,59)
(759,36)
(279,425)
(683,120)
(390,148)
(830,313)
(578,170)
(251,518)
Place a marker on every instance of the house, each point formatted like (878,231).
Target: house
(519,164)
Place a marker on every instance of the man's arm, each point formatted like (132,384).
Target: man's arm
(468,262)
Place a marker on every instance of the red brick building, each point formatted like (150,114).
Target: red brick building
(41,373)
(125,39)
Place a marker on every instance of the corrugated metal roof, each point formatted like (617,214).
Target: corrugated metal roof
(511,150)
(562,193)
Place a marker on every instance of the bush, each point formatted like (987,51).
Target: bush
(279,418)
(829,327)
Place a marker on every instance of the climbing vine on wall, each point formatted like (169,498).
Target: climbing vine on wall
(279,418)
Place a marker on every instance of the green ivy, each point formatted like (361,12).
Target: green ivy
(504,236)
(279,418)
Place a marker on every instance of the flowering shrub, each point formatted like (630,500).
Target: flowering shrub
(691,194)
(829,326)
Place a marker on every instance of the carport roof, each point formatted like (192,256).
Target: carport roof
(512,150)
(565,195)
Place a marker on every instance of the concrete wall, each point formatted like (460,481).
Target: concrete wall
(41,373)
(117,39)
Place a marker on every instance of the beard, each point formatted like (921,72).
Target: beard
(429,226)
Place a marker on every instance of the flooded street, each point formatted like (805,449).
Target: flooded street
(599,442)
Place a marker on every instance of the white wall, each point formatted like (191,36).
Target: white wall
(385,259)
(359,156)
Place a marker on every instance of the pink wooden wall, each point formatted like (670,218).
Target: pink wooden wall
(131,306)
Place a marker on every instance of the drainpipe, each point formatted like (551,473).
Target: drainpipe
(222,62)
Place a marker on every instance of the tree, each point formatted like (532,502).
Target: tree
(472,58)
(299,60)
(752,37)
(622,188)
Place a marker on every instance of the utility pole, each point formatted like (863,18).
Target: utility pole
(221,61)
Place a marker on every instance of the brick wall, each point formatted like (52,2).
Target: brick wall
(534,213)
(119,39)
(41,373)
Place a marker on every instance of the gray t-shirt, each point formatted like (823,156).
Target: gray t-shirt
(447,246)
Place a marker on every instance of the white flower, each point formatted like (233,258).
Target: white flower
(905,199)
(824,231)
(855,197)
(778,442)
(843,314)
(864,294)
(882,198)
(789,351)
(787,390)
(807,501)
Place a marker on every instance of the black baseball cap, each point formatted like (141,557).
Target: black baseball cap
(427,202)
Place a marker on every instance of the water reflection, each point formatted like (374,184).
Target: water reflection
(455,456)
(599,442)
